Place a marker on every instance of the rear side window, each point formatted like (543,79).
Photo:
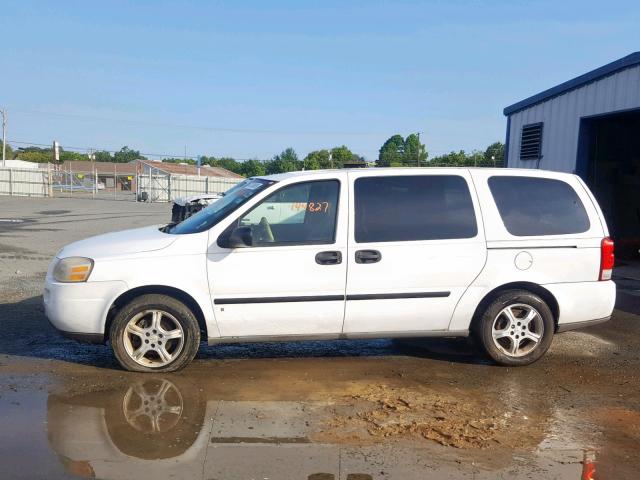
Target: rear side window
(420,207)
(532,206)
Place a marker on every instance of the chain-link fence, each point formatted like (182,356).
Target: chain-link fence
(164,188)
(93,184)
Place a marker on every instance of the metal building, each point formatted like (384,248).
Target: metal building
(590,126)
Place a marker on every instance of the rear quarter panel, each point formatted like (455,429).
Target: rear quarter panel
(562,260)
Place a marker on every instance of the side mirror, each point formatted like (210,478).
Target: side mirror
(239,237)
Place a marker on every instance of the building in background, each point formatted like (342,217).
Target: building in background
(110,175)
(590,126)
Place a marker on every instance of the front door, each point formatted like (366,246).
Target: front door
(291,280)
(415,247)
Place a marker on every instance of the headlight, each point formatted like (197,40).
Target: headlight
(73,269)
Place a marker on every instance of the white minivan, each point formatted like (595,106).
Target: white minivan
(508,256)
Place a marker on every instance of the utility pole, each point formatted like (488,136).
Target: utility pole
(419,147)
(4,136)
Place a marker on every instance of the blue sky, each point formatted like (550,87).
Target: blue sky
(247,79)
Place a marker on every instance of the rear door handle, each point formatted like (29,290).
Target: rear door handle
(329,258)
(368,256)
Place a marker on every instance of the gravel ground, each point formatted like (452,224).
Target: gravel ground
(313,410)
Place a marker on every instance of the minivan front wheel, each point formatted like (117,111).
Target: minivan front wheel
(154,333)
(516,328)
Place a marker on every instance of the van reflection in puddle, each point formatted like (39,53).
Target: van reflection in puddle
(152,428)
(165,428)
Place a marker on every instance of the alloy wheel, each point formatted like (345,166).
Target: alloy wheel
(517,330)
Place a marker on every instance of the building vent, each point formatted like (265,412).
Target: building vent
(531,142)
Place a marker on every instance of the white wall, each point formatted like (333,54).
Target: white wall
(561,116)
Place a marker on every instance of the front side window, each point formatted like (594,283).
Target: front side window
(299,214)
(531,206)
(417,207)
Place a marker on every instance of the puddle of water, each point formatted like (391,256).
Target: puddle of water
(170,427)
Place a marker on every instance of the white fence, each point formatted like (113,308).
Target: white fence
(46,182)
(27,182)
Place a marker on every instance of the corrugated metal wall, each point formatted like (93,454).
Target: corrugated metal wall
(24,182)
(561,116)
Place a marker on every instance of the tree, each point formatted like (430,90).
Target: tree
(252,168)
(341,155)
(66,156)
(8,151)
(392,152)
(316,160)
(287,161)
(494,154)
(415,154)
(126,155)
(103,156)
(35,154)
(475,158)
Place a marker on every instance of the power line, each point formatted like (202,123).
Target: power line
(198,127)
(146,154)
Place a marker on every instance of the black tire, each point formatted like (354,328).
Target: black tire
(485,326)
(177,310)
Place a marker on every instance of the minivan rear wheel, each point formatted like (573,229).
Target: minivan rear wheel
(516,328)
(154,333)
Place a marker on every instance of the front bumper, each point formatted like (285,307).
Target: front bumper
(79,310)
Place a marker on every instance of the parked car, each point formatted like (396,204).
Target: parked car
(508,256)
(184,207)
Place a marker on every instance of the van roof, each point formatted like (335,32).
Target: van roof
(409,170)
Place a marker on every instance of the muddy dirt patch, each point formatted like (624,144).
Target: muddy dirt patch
(383,412)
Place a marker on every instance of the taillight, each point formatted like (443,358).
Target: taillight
(607,259)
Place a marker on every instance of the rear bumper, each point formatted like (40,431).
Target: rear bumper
(583,304)
(565,327)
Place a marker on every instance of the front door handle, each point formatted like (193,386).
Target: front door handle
(329,258)
(368,256)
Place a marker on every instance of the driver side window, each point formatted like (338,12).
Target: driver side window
(302,213)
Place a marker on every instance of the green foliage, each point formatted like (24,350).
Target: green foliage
(103,156)
(287,161)
(341,155)
(316,160)
(415,154)
(224,162)
(472,159)
(252,168)
(35,154)
(8,151)
(126,155)
(392,152)
(495,152)
(402,152)
(66,156)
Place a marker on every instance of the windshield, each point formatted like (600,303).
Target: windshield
(233,198)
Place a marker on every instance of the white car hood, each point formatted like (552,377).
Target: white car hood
(125,242)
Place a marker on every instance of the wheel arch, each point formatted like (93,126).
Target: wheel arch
(173,292)
(539,290)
